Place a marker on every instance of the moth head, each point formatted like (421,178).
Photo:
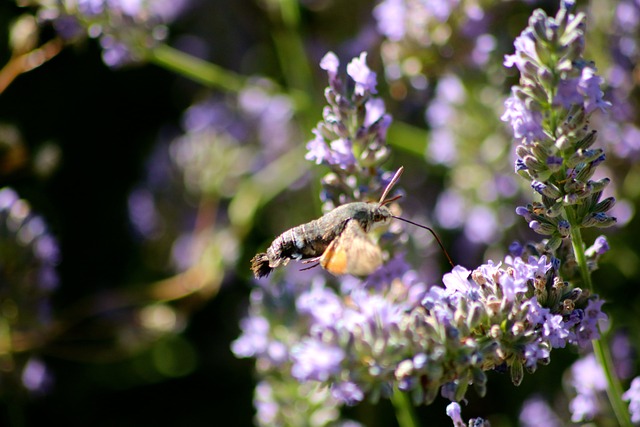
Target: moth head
(375,215)
(381,214)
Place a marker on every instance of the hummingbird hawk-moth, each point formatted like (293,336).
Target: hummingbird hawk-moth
(338,240)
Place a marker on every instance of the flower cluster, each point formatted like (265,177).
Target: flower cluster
(28,276)
(549,113)
(126,29)
(364,341)
(351,139)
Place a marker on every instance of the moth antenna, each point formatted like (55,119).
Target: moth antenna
(434,235)
(393,199)
(393,182)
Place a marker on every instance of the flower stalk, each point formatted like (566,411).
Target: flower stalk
(405,412)
(549,113)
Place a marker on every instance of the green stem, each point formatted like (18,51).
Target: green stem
(578,251)
(614,388)
(405,413)
(211,75)
(600,347)
(409,138)
(196,69)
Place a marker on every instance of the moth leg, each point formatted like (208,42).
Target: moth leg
(310,260)
(309,268)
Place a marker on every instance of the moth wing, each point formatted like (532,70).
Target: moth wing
(352,252)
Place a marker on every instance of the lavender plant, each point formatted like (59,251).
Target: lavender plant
(549,112)
(367,341)
(321,343)
(351,140)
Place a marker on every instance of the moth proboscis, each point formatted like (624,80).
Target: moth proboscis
(338,240)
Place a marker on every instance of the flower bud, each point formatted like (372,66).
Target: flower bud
(553,243)
(564,228)
(588,140)
(598,186)
(517,372)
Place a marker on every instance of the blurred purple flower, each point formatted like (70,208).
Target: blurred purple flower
(442,147)
(481,225)
(390,16)
(633,397)
(265,404)
(484,45)
(254,339)
(623,355)
(450,209)
(395,268)
(315,360)
(321,303)
(347,392)
(588,380)
(342,153)
(143,213)
(36,377)
(536,412)
(374,111)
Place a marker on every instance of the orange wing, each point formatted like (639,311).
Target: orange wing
(352,252)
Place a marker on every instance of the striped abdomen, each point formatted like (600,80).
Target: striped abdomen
(305,241)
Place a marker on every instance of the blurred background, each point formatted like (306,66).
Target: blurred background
(149,149)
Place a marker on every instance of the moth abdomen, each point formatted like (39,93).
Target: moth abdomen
(260,265)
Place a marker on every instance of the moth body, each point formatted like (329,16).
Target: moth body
(338,240)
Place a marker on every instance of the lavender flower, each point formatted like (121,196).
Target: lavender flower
(351,139)
(365,79)
(455,413)
(549,115)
